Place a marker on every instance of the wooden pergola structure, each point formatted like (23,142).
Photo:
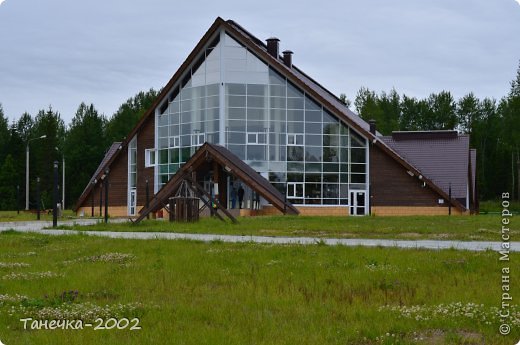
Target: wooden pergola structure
(220,162)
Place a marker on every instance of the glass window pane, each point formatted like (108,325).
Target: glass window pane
(256,102)
(277,114)
(256,114)
(356,140)
(294,115)
(313,128)
(294,127)
(294,103)
(277,102)
(358,168)
(256,152)
(293,91)
(235,89)
(357,155)
(313,191)
(313,140)
(357,178)
(313,167)
(256,89)
(237,113)
(237,101)
(330,154)
(277,90)
(313,154)
(294,153)
(313,116)
(331,128)
(236,126)
(239,150)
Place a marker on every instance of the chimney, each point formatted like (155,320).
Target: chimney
(272,46)
(372,124)
(287,58)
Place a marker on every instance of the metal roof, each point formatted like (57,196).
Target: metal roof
(442,159)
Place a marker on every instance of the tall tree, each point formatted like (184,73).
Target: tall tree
(468,112)
(4,135)
(45,151)
(85,146)
(442,112)
(8,184)
(128,114)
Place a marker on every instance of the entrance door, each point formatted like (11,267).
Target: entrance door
(132,202)
(357,202)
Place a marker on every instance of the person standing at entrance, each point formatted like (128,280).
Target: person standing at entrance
(233,198)
(240,196)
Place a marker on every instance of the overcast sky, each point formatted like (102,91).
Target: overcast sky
(63,52)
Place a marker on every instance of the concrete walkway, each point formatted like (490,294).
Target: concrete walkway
(37,227)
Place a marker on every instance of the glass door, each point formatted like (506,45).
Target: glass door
(132,202)
(357,202)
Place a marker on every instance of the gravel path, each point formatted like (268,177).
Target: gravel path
(37,227)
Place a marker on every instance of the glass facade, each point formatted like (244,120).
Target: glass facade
(234,99)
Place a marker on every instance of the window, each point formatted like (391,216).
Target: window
(175,141)
(198,139)
(256,138)
(149,158)
(295,190)
(294,139)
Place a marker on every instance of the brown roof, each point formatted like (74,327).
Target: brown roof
(111,152)
(444,159)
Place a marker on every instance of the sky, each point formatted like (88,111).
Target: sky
(60,53)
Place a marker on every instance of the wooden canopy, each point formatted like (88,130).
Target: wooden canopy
(220,160)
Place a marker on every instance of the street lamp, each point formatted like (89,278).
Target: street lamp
(62,180)
(27,171)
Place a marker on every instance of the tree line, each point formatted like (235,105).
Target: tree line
(82,143)
(494,127)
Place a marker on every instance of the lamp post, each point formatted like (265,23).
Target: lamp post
(27,171)
(62,180)
(55,197)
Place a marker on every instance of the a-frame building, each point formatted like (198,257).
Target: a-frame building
(238,92)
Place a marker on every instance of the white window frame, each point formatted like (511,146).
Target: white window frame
(257,136)
(148,154)
(293,186)
(196,139)
(176,141)
(294,137)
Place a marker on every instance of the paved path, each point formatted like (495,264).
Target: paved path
(426,244)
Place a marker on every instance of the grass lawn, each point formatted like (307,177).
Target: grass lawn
(481,227)
(187,292)
(13,216)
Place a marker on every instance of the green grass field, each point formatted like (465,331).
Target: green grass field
(217,293)
(14,216)
(481,227)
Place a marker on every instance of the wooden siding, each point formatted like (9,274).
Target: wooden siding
(145,140)
(118,180)
(391,185)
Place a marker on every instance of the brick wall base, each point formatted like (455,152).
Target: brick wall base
(113,211)
(305,211)
(413,211)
